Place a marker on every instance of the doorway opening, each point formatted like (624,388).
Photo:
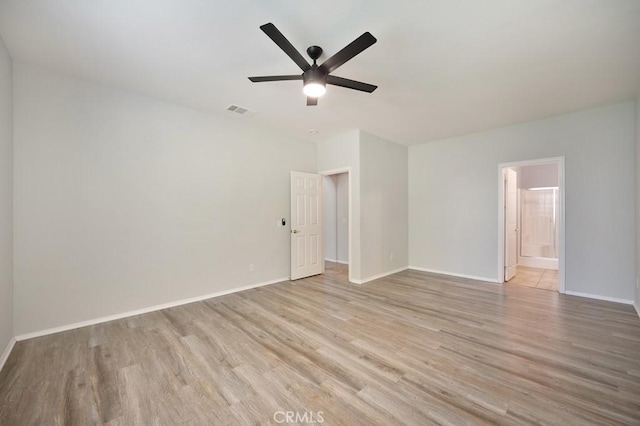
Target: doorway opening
(531,224)
(336,196)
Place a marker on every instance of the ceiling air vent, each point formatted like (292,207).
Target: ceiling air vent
(240,110)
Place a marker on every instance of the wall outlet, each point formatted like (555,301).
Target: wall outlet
(251,268)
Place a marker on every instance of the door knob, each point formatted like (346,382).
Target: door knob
(295,231)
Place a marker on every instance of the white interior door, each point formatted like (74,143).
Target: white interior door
(306,225)
(511,224)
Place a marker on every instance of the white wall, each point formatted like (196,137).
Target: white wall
(384,205)
(342,211)
(453,197)
(6,199)
(124,202)
(329,203)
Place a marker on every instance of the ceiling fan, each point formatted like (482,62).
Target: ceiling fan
(315,77)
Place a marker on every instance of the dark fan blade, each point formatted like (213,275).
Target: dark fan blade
(312,101)
(284,44)
(351,50)
(275,78)
(350,84)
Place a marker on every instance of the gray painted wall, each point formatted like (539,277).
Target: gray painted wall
(335,203)
(6,199)
(379,192)
(384,205)
(336,153)
(342,208)
(637,157)
(125,202)
(329,216)
(453,197)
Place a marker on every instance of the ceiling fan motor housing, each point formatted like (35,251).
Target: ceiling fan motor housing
(314,75)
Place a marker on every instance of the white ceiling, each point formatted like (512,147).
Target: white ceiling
(444,67)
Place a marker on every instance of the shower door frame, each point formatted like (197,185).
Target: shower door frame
(501,216)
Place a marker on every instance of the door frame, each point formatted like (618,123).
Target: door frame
(338,171)
(507,247)
(501,218)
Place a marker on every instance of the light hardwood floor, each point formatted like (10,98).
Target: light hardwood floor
(411,348)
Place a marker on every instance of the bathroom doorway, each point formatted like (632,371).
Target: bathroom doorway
(336,196)
(531,221)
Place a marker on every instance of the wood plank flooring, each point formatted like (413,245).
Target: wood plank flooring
(411,348)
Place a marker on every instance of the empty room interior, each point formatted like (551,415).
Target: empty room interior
(340,212)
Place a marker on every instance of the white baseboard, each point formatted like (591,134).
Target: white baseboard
(453,274)
(142,311)
(375,277)
(595,296)
(538,262)
(7,352)
(336,261)
(635,305)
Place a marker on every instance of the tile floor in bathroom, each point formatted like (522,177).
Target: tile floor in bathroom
(546,279)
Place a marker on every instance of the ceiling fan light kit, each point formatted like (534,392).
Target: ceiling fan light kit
(313,89)
(314,80)
(316,77)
